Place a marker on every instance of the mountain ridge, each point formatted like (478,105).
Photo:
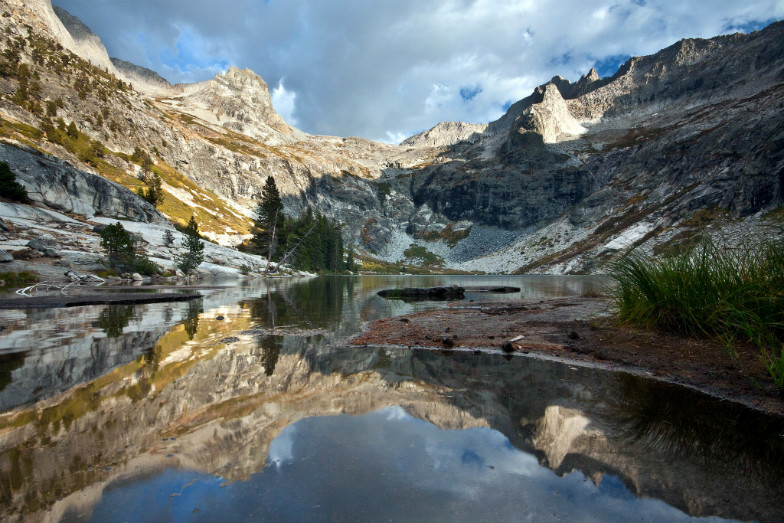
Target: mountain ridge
(568,179)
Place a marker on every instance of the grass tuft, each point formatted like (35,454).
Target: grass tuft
(732,294)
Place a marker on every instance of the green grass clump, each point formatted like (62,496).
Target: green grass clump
(733,294)
(17,280)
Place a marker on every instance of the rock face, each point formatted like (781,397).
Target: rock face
(446,133)
(570,178)
(58,185)
(142,78)
(238,100)
(86,43)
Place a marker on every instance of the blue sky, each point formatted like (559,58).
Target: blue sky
(387,69)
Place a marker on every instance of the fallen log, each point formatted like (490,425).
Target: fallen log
(423,294)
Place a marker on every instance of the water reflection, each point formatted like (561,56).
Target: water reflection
(191,322)
(383,466)
(261,414)
(114,318)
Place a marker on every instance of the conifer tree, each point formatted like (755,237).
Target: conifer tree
(9,187)
(154,192)
(194,248)
(268,229)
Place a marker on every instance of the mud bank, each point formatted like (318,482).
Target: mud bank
(584,331)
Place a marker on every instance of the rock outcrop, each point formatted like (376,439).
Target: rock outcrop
(58,185)
(446,133)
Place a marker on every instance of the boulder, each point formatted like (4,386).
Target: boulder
(44,246)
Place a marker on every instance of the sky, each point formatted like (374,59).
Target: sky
(388,69)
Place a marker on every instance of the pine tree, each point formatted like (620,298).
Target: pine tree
(154,192)
(268,225)
(194,248)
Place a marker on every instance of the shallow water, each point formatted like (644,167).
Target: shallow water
(248,406)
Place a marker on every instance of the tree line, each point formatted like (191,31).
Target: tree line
(310,242)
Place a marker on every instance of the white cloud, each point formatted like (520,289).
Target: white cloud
(358,68)
(284,103)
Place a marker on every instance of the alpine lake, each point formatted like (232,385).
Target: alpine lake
(249,405)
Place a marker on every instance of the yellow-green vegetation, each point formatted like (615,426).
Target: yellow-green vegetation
(19,131)
(421,254)
(733,294)
(369,265)
(776,215)
(17,280)
(73,140)
(212,214)
(448,234)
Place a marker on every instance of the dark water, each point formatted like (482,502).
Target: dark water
(248,406)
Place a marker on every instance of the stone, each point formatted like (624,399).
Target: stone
(5,256)
(137,277)
(46,247)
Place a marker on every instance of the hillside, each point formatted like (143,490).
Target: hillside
(674,145)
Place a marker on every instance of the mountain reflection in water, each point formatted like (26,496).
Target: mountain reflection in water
(383,466)
(247,407)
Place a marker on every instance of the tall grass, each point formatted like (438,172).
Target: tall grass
(733,294)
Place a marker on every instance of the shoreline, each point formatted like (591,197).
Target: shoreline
(113,297)
(584,332)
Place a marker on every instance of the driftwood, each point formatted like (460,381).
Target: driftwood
(74,279)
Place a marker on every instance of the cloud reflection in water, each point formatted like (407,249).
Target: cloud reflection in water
(386,465)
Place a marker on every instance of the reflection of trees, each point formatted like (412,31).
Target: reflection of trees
(191,321)
(316,303)
(114,318)
(8,364)
(684,423)
(270,350)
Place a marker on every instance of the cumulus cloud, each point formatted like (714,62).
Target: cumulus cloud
(284,103)
(388,69)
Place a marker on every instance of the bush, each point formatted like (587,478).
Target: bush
(121,249)
(9,187)
(730,294)
(144,266)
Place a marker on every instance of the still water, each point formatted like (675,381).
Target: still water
(247,405)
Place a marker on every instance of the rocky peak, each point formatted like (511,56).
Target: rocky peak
(591,76)
(446,133)
(238,100)
(551,117)
(246,82)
